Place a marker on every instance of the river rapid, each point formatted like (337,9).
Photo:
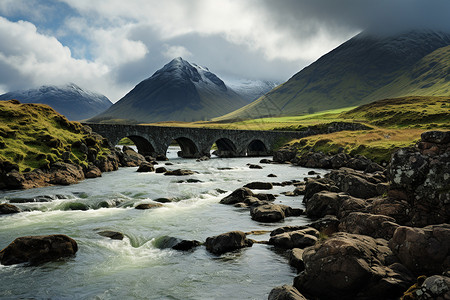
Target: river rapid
(135,268)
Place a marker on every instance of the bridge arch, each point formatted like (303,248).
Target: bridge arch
(188,148)
(225,148)
(143,145)
(257,148)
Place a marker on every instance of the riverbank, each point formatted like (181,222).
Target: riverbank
(377,238)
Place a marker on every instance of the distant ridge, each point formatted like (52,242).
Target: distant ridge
(69,100)
(180,91)
(367,67)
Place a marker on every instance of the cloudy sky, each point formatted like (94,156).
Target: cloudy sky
(109,46)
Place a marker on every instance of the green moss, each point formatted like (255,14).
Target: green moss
(34,135)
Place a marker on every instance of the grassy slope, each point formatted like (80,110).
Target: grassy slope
(397,123)
(35,135)
(428,77)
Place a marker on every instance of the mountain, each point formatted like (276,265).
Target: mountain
(367,67)
(69,100)
(180,91)
(250,89)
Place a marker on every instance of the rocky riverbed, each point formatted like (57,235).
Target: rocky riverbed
(374,233)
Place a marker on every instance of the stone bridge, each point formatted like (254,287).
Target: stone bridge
(197,142)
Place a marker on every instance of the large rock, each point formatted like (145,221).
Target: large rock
(397,209)
(267,213)
(296,259)
(175,243)
(144,206)
(357,184)
(237,196)
(227,242)
(314,160)
(324,203)
(434,287)
(425,251)
(339,160)
(359,162)
(92,171)
(114,235)
(179,172)
(285,292)
(327,225)
(65,174)
(131,158)
(284,154)
(317,185)
(349,266)
(420,176)
(257,185)
(295,239)
(376,226)
(145,167)
(110,163)
(6,208)
(38,249)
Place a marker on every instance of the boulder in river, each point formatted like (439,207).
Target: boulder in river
(148,205)
(145,167)
(6,208)
(252,166)
(160,170)
(163,200)
(179,172)
(237,196)
(257,185)
(267,213)
(92,171)
(131,158)
(65,174)
(285,292)
(296,259)
(350,266)
(38,249)
(295,239)
(165,242)
(227,242)
(114,235)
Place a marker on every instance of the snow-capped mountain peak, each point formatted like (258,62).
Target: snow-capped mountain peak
(69,99)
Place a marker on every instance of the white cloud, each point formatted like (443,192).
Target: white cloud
(171,52)
(37,59)
(245,23)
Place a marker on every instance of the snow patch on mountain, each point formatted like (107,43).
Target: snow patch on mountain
(250,89)
(70,100)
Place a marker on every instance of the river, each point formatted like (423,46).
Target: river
(134,268)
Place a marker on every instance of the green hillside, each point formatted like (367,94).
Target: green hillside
(428,77)
(363,69)
(35,136)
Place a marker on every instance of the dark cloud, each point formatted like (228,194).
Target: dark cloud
(344,15)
